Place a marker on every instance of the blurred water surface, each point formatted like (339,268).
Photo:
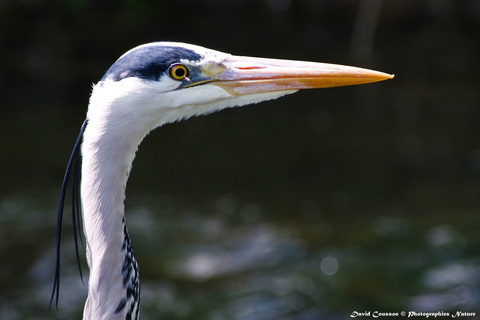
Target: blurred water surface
(314,206)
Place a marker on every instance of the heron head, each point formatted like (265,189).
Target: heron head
(163,82)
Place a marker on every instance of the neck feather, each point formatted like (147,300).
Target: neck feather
(113,284)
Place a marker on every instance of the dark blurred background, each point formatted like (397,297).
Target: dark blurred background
(314,206)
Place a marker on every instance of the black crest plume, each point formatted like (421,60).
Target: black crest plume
(74,171)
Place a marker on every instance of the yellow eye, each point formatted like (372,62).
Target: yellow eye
(178,72)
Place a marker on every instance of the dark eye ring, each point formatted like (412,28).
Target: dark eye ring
(178,71)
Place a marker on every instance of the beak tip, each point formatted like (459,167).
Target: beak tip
(381,76)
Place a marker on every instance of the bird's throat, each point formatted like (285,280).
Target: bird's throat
(114,277)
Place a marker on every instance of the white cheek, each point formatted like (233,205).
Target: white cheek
(197,95)
(132,94)
(164,84)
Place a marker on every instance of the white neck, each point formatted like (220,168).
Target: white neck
(107,158)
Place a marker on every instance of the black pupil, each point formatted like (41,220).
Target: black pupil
(180,72)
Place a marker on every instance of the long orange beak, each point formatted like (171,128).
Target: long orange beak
(247,75)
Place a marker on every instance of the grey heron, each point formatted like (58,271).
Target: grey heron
(147,87)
